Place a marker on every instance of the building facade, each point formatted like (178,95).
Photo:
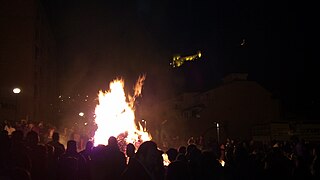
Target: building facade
(227,111)
(287,131)
(28,61)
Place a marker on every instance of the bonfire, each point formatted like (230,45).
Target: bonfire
(115,115)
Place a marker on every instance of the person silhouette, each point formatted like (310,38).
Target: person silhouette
(144,164)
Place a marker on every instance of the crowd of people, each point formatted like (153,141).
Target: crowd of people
(25,156)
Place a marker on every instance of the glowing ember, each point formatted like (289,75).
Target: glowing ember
(115,115)
(166,161)
(222,162)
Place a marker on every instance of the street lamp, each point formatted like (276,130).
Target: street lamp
(215,125)
(81,114)
(16,91)
(145,124)
(218,133)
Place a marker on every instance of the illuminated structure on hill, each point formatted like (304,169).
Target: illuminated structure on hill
(177,60)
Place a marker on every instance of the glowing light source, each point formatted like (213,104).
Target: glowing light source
(177,60)
(243,42)
(166,161)
(222,162)
(115,115)
(16,90)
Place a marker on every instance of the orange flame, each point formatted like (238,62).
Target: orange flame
(115,115)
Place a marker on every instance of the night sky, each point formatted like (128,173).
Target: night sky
(100,40)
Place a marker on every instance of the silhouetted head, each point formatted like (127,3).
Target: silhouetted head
(55,136)
(113,142)
(89,145)
(192,152)
(130,150)
(191,148)
(71,146)
(32,138)
(172,154)
(148,154)
(182,150)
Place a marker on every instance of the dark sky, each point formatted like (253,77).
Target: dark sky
(99,40)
